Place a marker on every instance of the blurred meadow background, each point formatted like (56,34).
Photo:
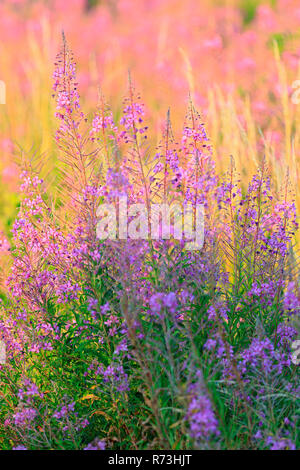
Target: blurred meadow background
(238,59)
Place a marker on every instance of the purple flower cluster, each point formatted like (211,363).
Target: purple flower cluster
(132,119)
(25,417)
(201,418)
(274,443)
(160,301)
(97,444)
(261,354)
(69,418)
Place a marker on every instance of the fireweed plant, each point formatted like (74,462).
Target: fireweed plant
(142,344)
